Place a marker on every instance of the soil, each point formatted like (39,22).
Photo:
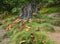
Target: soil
(55,36)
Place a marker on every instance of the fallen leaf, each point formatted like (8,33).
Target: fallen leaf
(17,20)
(34,14)
(21,42)
(30,20)
(39,20)
(9,27)
(28,28)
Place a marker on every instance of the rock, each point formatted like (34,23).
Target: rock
(2,32)
(5,41)
(54,15)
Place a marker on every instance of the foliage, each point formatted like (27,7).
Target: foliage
(33,32)
(50,10)
(13,6)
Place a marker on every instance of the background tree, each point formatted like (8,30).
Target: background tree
(14,6)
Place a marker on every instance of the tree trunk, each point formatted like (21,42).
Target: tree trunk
(27,11)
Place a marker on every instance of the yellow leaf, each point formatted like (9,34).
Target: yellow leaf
(22,41)
(34,14)
(17,20)
(30,20)
(28,28)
